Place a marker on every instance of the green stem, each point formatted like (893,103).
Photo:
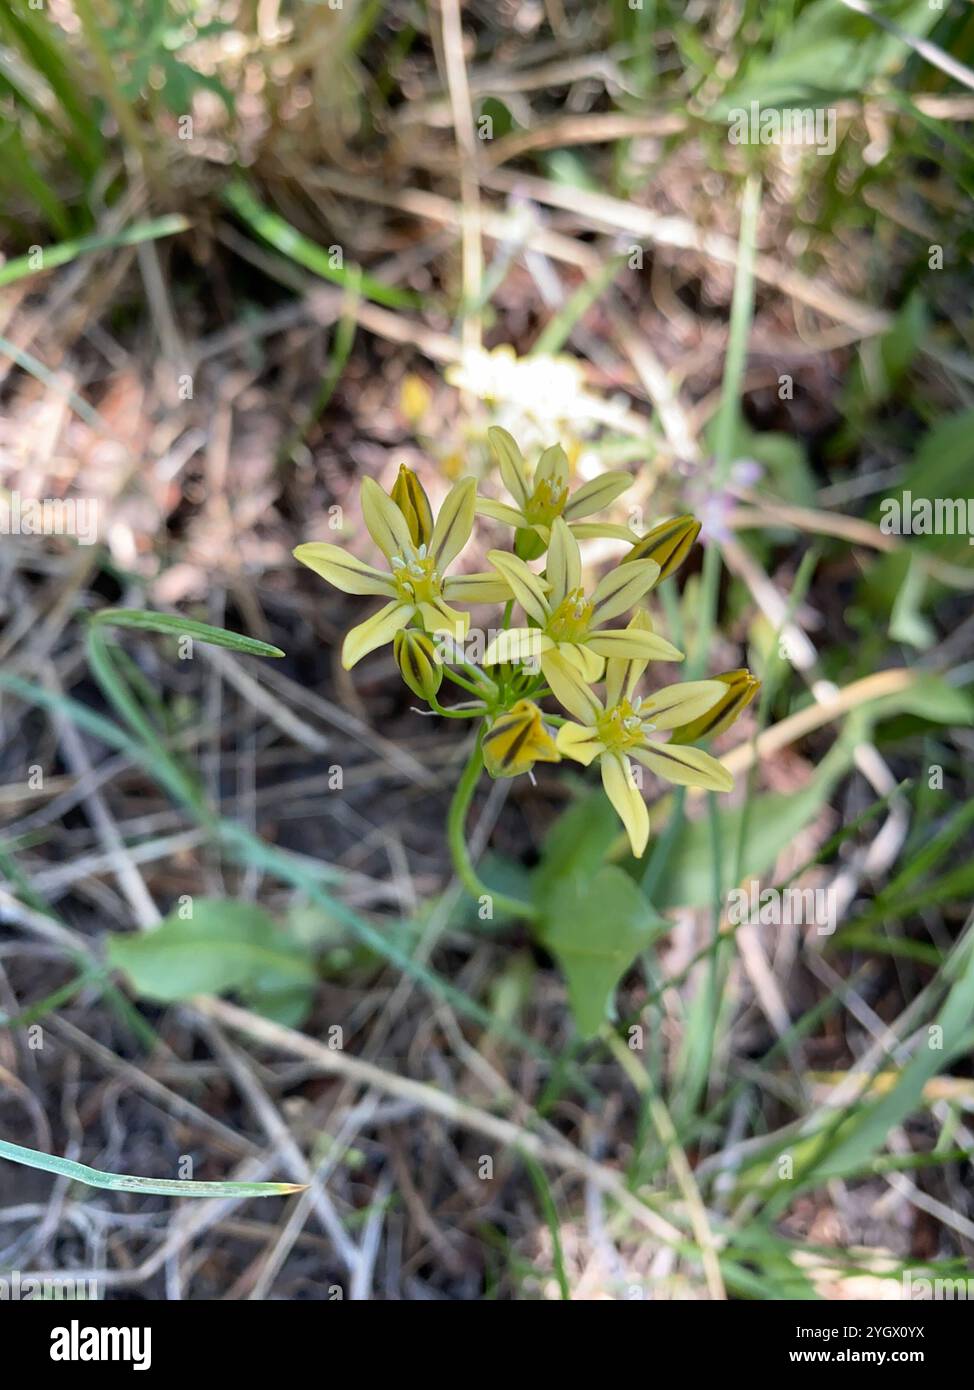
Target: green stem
(459,849)
(462,681)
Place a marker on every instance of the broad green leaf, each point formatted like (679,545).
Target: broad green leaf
(943,462)
(577,842)
(223,946)
(174,625)
(595,927)
(828,50)
(929,697)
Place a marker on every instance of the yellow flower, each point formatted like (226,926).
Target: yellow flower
(516,740)
(668,544)
(418,662)
(740,688)
(416,586)
(567,620)
(539,500)
(415,398)
(618,730)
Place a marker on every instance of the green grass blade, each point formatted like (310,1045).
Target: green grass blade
(290,242)
(53,256)
(175,626)
(124,1182)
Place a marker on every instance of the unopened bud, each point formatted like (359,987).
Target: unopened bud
(741,690)
(668,544)
(418,662)
(410,497)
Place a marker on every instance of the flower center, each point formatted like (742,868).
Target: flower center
(546,502)
(623,727)
(416,577)
(569,622)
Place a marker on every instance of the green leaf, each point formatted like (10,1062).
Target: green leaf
(223,946)
(177,626)
(577,843)
(928,697)
(595,928)
(828,50)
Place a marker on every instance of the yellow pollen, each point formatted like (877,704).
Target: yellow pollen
(621,728)
(569,622)
(416,577)
(546,502)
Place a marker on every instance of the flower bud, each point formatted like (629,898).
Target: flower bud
(668,544)
(410,497)
(418,662)
(741,690)
(516,740)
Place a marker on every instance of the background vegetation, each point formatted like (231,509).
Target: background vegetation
(252,252)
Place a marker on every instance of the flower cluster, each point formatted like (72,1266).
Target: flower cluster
(565,647)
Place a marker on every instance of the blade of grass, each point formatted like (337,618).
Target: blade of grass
(694,1062)
(50,257)
(550,1213)
(290,242)
(177,626)
(123,1182)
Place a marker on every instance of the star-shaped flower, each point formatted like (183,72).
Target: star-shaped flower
(539,500)
(416,586)
(618,729)
(569,621)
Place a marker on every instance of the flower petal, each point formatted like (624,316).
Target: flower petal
(500,511)
(624,642)
(563,569)
(621,589)
(510,461)
(525,585)
(623,673)
(587,663)
(387,525)
(601,530)
(592,497)
(686,767)
(568,687)
(579,742)
(552,467)
(375,632)
(621,789)
(343,570)
(516,644)
(454,522)
(678,704)
(440,617)
(476,588)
